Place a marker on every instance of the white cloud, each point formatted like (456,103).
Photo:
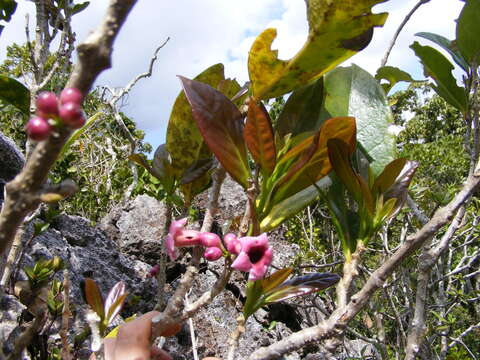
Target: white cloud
(209,31)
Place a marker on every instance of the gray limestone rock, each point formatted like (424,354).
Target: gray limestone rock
(11,162)
(11,159)
(138,228)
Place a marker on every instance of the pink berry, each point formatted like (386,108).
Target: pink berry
(70,113)
(71,95)
(78,123)
(212,253)
(38,129)
(47,104)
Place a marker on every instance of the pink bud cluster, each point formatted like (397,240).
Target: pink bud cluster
(252,254)
(66,109)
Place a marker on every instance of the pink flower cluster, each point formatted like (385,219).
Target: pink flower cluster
(253,253)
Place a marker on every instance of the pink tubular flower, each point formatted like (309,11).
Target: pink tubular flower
(255,256)
(210,239)
(180,237)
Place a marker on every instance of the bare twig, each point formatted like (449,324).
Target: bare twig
(235,337)
(192,332)
(425,263)
(399,30)
(66,350)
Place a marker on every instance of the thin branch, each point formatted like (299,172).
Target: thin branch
(427,259)
(94,56)
(235,337)
(146,74)
(399,30)
(208,296)
(192,333)
(463,334)
(66,350)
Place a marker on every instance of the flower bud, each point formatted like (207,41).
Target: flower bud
(232,243)
(212,253)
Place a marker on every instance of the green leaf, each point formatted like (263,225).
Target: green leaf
(80,7)
(302,285)
(301,111)
(393,75)
(337,31)
(440,69)
(7,8)
(254,300)
(94,297)
(92,120)
(221,125)
(352,91)
(447,45)
(468,41)
(15,93)
(292,205)
(258,135)
(163,169)
(184,141)
(339,154)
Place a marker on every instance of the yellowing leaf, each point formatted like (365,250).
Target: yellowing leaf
(184,142)
(337,31)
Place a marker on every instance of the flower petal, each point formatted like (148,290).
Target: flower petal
(177,225)
(185,238)
(257,272)
(242,262)
(170,247)
(253,241)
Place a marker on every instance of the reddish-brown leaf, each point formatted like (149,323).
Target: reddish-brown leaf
(339,154)
(387,177)
(318,165)
(221,126)
(94,297)
(258,134)
(275,279)
(302,285)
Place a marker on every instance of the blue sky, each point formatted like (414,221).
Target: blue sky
(206,32)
